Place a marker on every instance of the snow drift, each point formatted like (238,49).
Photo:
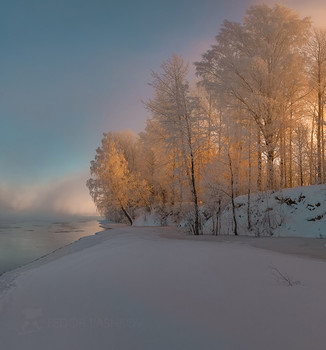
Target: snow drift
(293,212)
(136,289)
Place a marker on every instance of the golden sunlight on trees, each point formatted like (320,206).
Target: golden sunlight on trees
(316,54)
(258,65)
(177,114)
(113,186)
(253,121)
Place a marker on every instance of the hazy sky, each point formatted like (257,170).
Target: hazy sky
(73,69)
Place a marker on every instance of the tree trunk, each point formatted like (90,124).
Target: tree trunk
(249,183)
(311,162)
(282,159)
(322,143)
(194,193)
(290,152)
(301,167)
(319,166)
(270,169)
(218,218)
(127,215)
(235,228)
(220,135)
(259,163)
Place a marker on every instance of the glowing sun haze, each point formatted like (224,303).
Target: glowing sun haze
(316,9)
(73,69)
(67,195)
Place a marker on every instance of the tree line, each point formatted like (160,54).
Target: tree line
(252,120)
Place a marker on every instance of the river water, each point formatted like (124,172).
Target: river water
(24,240)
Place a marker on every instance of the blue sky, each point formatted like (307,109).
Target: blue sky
(73,69)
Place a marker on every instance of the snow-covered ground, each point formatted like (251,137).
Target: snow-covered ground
(292,212)
(134,288)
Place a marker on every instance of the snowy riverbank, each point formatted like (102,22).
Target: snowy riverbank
(134,288)
(290,212)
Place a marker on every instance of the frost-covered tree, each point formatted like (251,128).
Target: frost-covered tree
(113,186)
(301,154)
(258,63)
(160,169)
(253,121)
(316,54)
(175,111)
(127,142)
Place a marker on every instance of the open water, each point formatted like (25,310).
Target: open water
(24,240)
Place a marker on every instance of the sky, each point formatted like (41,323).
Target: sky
(71,70)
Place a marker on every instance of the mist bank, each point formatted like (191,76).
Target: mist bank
(66,196)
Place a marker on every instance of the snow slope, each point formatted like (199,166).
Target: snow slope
(138,290)
(299,211)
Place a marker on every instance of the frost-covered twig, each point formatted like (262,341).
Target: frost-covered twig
(284,277)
